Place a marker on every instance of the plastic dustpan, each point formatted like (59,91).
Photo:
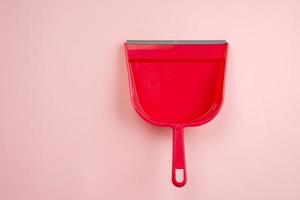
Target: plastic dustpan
(176,84)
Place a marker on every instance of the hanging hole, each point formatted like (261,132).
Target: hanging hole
(179,175)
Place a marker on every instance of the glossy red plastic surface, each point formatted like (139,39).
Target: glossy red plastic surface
(176,85)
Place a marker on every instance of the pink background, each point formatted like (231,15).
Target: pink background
(67,126)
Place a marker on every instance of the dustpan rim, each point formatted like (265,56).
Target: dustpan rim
(174,42)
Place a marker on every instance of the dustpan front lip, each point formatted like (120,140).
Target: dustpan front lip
(174,42)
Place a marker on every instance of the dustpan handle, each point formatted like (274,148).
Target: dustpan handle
(178,164)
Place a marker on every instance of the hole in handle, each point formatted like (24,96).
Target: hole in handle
(179,175)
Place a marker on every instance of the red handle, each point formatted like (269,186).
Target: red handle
(178,166)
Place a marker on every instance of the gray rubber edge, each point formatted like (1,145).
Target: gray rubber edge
(176,42)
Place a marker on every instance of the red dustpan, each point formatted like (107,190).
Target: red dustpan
(176,84)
